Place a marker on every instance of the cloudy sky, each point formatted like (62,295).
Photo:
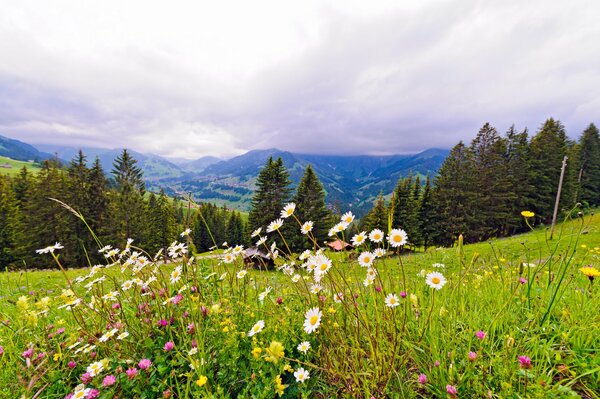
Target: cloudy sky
(193,78)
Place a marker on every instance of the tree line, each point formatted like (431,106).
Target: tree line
(116,208)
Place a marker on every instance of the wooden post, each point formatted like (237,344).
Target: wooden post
(560,182)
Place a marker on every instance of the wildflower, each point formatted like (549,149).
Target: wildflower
(145,364)
(337,298)
(590,272)
(306,227)
(23,302)
(108,335)
(131,373)
(261,241)
(522,280)
(438,266)
(365,259)
(347,217)
(525,362)
(304,346)
(275,351)
(313,320)
(186,232)
(228,257)
(279,387)
(263,295)
(274,225)
(192,351)
(256,352)
(359,238)
(109,380)
(49,249)
(472,356)
(296,278)
(391,300)
(435,280)
(80,392)
(256,232)
(451,389)
(422,379)
(480,335)
(86,378)
(376,235)
(288,210)
(127,285)
(241,274)
(403,294)
(414,300)
(169,346)
(258,327)
(301,375)
(397,237)
(94,394)
(338,228)
(379,252)
(322,263)
(202,381)
(95,368)
(527,214)
(315,288)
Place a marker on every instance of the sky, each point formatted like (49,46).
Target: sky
(195,78)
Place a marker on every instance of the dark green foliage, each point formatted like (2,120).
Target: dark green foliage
(377,218)
(518,170)
(310,206)
(272,193)
(10,225)
(588,159)
(161,226)
(427,217)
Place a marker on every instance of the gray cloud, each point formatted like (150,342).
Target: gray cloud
(331,82)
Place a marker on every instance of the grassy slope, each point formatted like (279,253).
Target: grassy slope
(16,166)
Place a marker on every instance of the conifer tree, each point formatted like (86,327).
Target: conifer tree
(454,196)
(22,185)
(517,159)
(547,149)
(235,229)
(129,204)
(78,197)
(272,193)
(403,207)
(588,176)
(161,224)
(10,225)
(310,206)
(426,215)
(98,217)
(377,218)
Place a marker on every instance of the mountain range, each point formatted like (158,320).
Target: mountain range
(351,182)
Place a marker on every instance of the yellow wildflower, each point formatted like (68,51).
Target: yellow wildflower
(527,214)
(288,368)
(202,381)
(57,356)
(279,387)
(256,352)
(275,352)
(590,272)
(22,303)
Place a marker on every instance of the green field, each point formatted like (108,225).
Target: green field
(16,166)
(537,310)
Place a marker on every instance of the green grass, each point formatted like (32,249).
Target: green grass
(361,349)
(16,166)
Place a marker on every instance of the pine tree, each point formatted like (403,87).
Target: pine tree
(22,185)
(161,223)
(377,218)
(310,206)
(547,149)
(98,217)
(426,215)
(403,207)
(129,204)
(272,192)
(493,197)
(235,229)
(454,196)
(588,176)
(518,170)
(10,225)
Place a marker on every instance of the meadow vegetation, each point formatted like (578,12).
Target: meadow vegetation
(508,318)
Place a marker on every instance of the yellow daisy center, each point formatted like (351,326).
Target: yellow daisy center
(435,280)
(397,238)
(313,320)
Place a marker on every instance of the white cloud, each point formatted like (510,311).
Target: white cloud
(196,78)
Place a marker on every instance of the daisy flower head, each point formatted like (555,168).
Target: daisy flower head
(438,266)
(228,257)
(347,217)
(258,327)
(186,232)
(379,252)
(366,258)
(256,232)
(376,235)
(301,375)
(304,346)
(397,237)
(312,320)
(261,241)
(95,368)
(49,249)
(322,264)
(274,225)
(123,335)
(435,280)
(176,275)
(306,227)
(264,294)
(337,298)
(392,300)
(359,238)
(242,274)
(238,249)
(80,392)
(288,210)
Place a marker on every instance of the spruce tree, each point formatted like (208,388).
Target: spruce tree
(377,218)
(78,197)
(426,215)
(588,176)
(272,193)
(547,149)
(98,217)
(310,206)
(10,225)
(518,170)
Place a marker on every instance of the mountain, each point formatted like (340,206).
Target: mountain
(195,166)
(21,151)
(155,168)
(350,181)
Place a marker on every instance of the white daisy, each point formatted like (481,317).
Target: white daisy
(304,346)
(397,237)
(80,392)
(391,300)
(258,327)
(435,280)
(241,274)
(256,232)
(176,275)
(306,227)
(95,368)
(379,252)
(288,210)
(347,217)
(123,335)
(274,225)
(359,238)
(312,320)
(228,257)
(365,259)
(301,375)
(376,235)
